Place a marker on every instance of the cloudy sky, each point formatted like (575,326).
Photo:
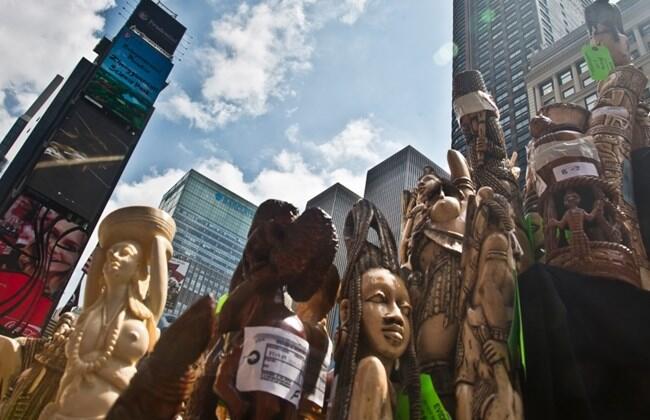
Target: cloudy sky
(271,98)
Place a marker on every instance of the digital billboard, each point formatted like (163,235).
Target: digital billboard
(39,248)
(157,25)
(130,78)
(82,161)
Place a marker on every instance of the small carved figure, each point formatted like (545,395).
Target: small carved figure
(484,382)
(375,329)
(43,361)
(430,249)
(478,116)
(574,219)
(124,299)
(164,380)
(601,15)
(283,250)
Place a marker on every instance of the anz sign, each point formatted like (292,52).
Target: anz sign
(233,204)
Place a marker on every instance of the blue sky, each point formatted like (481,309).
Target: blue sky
(270,97)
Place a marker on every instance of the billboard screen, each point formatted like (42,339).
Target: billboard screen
(39,248)
(130,78)
(82,161)
(157,25)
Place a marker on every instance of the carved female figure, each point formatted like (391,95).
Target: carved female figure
(375,330)
(124,299)
(431,247)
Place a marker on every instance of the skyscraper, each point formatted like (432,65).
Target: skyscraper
(211,228)
(386,181)
(337,201)
(498,38)
(560,74)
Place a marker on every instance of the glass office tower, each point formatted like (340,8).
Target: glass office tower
(211,227)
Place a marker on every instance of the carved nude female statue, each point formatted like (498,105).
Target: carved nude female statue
(124,299)
(375,330)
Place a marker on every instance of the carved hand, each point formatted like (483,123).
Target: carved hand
(495,351)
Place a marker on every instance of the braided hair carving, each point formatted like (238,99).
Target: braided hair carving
(362,256)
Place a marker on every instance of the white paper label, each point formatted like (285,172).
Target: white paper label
(273,361)
(570,170)
(318,396)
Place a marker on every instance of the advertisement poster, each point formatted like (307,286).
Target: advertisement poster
(177,270)
(39,248)
(82,161)
(157,25)
(130,78)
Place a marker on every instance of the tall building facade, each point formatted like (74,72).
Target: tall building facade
(211,228)
(560,74)
(386,181)
(337,201)
(498,37)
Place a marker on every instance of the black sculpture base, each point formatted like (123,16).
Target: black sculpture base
(587,346)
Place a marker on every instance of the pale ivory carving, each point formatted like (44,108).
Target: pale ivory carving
(484,382)
(124,299)
(430,250)
(375,329)
(39,371)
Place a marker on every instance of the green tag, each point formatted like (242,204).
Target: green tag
(432,408)
(516,347)
(222,299)
(599,61)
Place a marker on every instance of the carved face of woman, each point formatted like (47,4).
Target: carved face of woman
(386,325)
(122,262)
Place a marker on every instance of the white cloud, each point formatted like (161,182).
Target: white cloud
(353,9)
(292,133)
(445,54)
(44,39)
(250,56)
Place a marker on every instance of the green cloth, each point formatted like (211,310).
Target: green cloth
(432,408)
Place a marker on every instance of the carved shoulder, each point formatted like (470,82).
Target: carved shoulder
(370,391)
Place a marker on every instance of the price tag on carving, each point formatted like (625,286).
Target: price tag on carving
(570,170)
(318,396)
(599,61)
(273,361)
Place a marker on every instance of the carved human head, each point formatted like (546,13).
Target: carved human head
(124,263)
(571,199)
(374,307)
(385,314)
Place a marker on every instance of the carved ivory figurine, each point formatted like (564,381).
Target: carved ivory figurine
(269,348)
(124,299)
(484,381)
(431,246)
(375,329)
(41,368)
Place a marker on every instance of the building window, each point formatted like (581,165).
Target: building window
(547,87)
(590,101)
(570,91)
(566,77)
(588,81)
(549,100)
(582,67)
